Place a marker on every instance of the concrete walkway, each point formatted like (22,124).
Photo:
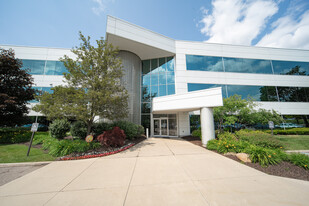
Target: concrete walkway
(155,172)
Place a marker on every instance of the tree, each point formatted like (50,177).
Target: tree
(15,89)
(93,86)
(237,110)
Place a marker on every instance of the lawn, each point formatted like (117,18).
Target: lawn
(18,153)
(294,142)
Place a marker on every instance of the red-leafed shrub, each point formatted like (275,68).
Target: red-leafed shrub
(114,137)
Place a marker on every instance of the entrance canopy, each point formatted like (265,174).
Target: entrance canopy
(187,102)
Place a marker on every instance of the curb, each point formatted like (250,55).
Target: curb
(22,164)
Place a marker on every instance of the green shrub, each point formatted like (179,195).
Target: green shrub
(259,138)
(130,129)
(227,145)
(212,144)
(290,131)
(65,147)
(197,133)
(227,136)
(99,128)
(39,137)
(79,129)
(14,135)
(300,160)
(265,156)
(59,128)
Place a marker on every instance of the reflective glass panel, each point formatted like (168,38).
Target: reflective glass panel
(204,63)
(36,67)
(47,89)
(146,80)
(154,79)
(170,64)
(247,65)
(146,66)
(162,90)
(146,107)
(162,65)
(291,68)
(170,78)
(171,89)
(60,68)
(268,93)
(162,78)
(154,66)
(293,94)
(172,127)
(195,87)
(145,121)
(145,94)
(154,91)
(246,92)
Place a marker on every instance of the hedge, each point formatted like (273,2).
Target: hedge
(14,135)
(292,131)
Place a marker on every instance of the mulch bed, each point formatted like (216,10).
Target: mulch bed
(103,150)
(284,169)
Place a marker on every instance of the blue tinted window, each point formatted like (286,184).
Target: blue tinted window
(291,68)
(146,94)
(146,80)
(204,63)
(171,89)
(162,78)
(170,64)
(154,91)
(246,92)
(170,77)
(247,65)
(47,89)
(293,94)
(162,90)
(146,66)
(36,67)
(155,79)
(162,65)
(154,66)
(195,87)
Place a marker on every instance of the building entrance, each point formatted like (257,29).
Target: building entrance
(164,125)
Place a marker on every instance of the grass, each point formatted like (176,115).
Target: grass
(294,142)
(18,153)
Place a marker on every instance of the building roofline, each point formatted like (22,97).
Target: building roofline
(109,16)
(37,47)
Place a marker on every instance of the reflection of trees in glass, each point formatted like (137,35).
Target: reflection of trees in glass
(287,94)
(268,93)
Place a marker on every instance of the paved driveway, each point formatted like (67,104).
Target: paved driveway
(155,172)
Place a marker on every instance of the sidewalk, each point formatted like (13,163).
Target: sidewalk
(155,172)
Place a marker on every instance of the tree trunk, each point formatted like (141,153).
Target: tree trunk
(89,125)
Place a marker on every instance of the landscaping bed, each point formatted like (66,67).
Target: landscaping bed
(103,150)
(283,169)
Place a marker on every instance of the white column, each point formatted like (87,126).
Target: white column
(207,125)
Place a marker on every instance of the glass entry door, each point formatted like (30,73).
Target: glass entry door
(161,127)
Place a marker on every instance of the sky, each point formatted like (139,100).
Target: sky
(56,23)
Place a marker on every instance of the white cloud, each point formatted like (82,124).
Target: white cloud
(288,32)
(237,21)
(100,8)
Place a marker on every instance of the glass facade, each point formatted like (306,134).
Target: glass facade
(44,67)
(158,79)
(242,65)
(259,93)
(41,90)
